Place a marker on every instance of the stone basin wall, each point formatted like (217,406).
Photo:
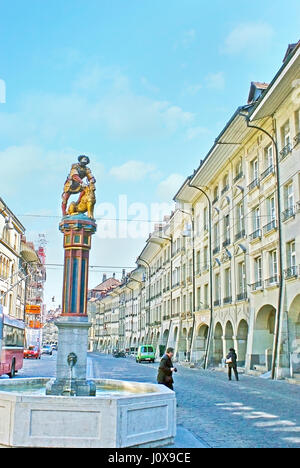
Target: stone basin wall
(146,418)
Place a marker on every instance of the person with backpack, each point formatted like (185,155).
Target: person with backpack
(231,361)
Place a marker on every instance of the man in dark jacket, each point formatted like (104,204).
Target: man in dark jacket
(166,369)
(231,361)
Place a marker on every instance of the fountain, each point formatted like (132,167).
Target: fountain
(71,411)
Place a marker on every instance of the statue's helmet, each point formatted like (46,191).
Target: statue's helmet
(83,156)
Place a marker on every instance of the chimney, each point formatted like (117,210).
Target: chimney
(123,274)
(104,278)
(114,275)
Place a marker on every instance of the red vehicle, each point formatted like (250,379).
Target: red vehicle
(12,334)
(32,352)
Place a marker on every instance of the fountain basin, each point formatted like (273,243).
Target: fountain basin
(122,414)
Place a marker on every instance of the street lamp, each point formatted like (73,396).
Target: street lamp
(210,270)
(193,274)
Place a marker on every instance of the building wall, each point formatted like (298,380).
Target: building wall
(172,307)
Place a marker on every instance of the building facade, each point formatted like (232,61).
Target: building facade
(223,270)
(12,289)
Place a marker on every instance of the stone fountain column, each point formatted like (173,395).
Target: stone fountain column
(73,325)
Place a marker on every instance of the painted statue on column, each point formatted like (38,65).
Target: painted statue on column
(75,184)
(77,225)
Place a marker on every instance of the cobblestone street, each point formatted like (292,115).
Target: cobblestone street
(251,413)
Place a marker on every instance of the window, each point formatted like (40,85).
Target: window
(205,253)
(227,285)
(269,158)
(226,230)
(238,170)
(297,124)
(216,194)
(273,266)
(198,262)
(291,253)
(286,135)
(240,223)
(285,140)
(289,195)
(258,271)
(271,212)
(289,201)
(205,218)
(291,259)
(254,169)
(242,281)
(199,298)
(217,289)
(216,236)
(205,295)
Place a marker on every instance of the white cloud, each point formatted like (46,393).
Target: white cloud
(149,86)
(189,37)
(193,89)
(196,132)
(132,171)
(248,37)
(31,171)
(116,110)
(215,80)
(168,187)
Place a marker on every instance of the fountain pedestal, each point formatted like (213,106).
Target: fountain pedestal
(73,325)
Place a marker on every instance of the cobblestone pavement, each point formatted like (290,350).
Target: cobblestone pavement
(251,413)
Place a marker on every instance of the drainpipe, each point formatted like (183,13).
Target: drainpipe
(210,273)
(280,266)
(194,277)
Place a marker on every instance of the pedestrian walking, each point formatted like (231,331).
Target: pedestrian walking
(166,369)
(231,361)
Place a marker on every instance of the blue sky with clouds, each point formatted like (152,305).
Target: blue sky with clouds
(143,87)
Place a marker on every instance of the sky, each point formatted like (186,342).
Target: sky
(143,87)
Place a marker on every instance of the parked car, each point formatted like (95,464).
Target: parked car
(47,349)
(118,354)
(32,352)
(145,353)
(54,346)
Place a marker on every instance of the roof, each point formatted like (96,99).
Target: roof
(107,284)
(256,85)
(280,87)
(290,49)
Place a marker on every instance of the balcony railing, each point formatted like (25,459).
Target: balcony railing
(255,235)
(240,235)
(227,300)
(292,272)
(288,213)
(226,242)
(268,171)
(216,250)
(257,286)
(217,302)
(273,281)
(286,151)
(270,226)
(225,189)
(242,296)
(254,183)
(238,177)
